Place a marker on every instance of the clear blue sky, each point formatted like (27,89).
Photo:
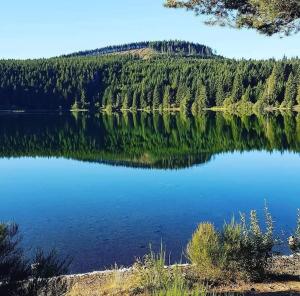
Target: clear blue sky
(35,28)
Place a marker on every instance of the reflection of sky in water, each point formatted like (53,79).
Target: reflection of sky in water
(103,214)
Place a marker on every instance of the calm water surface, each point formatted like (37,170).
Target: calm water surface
(102,188)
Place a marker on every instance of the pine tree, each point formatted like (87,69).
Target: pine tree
(220,94)
(298,95)
(166,98)
(125,102)
(246,98)
(186,100)
(201,100)
(83,100)
(290,92)
(237,88)
(156,100)
(134,105)
(274,86)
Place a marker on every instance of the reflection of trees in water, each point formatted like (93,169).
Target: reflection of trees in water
(141,139)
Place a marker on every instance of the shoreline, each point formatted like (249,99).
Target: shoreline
(151,111)
(277,259)
(284,278)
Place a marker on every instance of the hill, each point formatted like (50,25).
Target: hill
(148,49)
(180,81)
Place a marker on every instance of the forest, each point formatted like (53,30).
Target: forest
(161,47)
(163,82)
(162,141)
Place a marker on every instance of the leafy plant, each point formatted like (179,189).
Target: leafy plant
(294,241)
(204,250)
(239,249)
(256,246)
(21,277)
(151,270)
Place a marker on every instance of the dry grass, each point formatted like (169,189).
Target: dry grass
(115,282)
(143,53)
(126,283)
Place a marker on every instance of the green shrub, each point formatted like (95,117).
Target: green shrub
(231,241)
(294,241)
(239,249)
(204,250)
(22,277)
(151,270)
(256,247)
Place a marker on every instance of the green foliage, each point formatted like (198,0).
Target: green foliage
(294,241)
(239,250)
(256,247)
(237,88)
(124,82)
(267,17)
(22,277)
(297,233)
(298,95)
(143,140)
(204,251)
(157,279)
(201,100)
(273,92)
(156,100)
(166,98)
(290,92)
(152,272)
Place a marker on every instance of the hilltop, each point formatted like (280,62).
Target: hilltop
(151,48)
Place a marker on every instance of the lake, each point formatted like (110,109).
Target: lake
(101,188)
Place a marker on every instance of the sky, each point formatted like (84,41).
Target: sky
(35,29)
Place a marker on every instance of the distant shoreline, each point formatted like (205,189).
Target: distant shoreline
(150,111)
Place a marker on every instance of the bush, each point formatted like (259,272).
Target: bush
(256,247)
(204,250)
(240,249)
(294,241)
(151,270)
(22,277)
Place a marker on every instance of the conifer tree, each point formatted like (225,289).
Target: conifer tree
(186,100)
(246,98)
(125,102)
(220,94)
(156,100)
(166,98)
(201,100)
(134,105)
(273,87)
(290,92)
(237,88)
(298,95)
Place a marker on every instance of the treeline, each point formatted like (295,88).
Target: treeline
(167,83)
(164,47)
(145,140)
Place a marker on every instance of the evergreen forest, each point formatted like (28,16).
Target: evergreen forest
(113,82)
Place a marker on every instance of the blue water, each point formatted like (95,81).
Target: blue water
(101,214)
